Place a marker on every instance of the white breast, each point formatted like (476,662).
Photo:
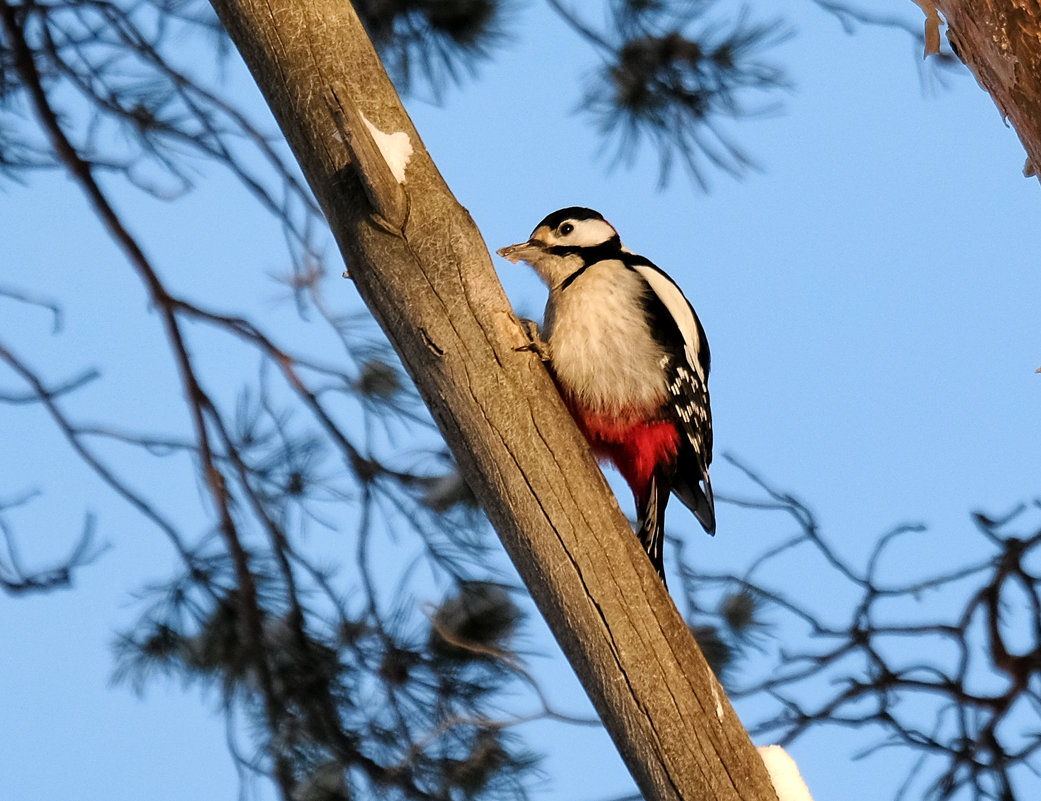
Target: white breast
(602,351)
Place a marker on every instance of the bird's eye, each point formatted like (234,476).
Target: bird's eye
(566,229)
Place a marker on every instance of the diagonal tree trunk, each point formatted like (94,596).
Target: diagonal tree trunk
(1000,41)
(420,264)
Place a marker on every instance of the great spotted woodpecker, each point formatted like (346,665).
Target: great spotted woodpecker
(631,360)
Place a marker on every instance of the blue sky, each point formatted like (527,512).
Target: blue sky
(870,298)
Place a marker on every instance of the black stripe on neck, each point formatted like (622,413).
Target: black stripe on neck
(611,249)
(590,254)
(571,278)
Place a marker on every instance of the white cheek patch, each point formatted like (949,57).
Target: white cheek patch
(587,233)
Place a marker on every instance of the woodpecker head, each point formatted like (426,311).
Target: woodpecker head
(564,242)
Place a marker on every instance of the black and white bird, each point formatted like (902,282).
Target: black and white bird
(631,360)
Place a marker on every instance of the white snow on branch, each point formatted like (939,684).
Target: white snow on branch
(784,774)
(396,148)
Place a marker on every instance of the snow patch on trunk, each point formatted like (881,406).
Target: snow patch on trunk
(784,774)
(396,148)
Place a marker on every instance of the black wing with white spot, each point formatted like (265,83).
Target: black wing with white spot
(686,365)
(691,404)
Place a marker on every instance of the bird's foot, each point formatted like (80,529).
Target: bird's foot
(535,342)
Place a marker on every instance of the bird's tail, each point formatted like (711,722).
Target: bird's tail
(651,530)
(696,494)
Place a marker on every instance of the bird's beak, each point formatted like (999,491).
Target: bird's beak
(522,251)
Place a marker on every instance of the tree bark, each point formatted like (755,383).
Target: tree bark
(421,266)
(1000,41)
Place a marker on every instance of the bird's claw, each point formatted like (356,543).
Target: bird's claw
(535,343)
